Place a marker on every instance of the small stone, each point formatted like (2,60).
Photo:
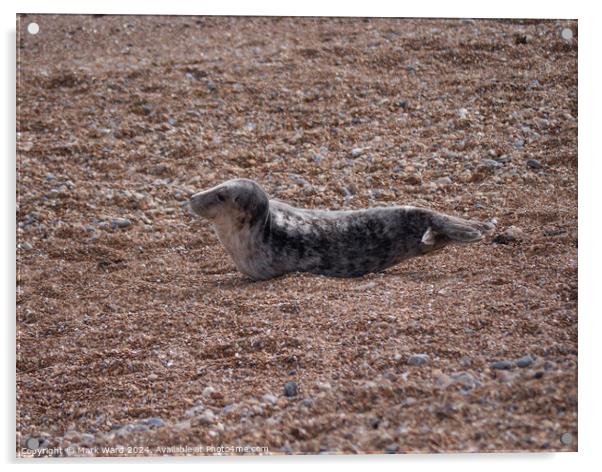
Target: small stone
(534,164)
(357,152)
(208,391)
(538,374)
(413,179)
(287,449)
(503,159)
(155,422)
(525,361)
(172,121)
(269,398)
(211,86)
(520,38)
(502,365)
(72,435)
(392,448)
(207,417)
(87,438)
(511,234)
(195,410)
(443,381)
(490,162)
(443,181)
(308,402)
(346,191)
(401,429)
(182,425)
(519,143)
(323,386)
(468,382)
(462,113)
(402,104)
(26,246)
(121,223)
(290,389)
(366,286)
(418,359)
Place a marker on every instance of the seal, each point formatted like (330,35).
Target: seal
(267,238)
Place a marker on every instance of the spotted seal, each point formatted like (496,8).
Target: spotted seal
(267,238)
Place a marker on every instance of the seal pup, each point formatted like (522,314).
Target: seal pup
(267,238)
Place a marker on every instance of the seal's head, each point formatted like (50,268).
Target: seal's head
(238,201)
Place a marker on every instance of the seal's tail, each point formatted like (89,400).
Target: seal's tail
(461,230)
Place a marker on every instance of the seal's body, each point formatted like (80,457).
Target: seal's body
(267,238)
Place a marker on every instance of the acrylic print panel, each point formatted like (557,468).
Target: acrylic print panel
(138,332)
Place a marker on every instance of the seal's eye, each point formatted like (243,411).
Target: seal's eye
(220,197)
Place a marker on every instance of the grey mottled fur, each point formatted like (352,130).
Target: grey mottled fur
(267,238)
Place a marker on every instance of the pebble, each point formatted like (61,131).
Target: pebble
(323,386)
(87,438)
(503,159)
(346,191)
(195,410)
(290,389)
(462,113)
(155,422)
(443,181)
(392,448)
(208,391)
(401,429)
(308,402)
(534,164)
(418,359)
(525,361)
(468,382)
(207,417)
(269,398)
(490,162)
(26,246)
(366,286)
(502,365)
(511,234)
(357,152)
(211,86)
(121,223)
(520,38)
(443,381)
(519,143)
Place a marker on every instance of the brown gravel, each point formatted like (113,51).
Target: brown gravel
(124,117)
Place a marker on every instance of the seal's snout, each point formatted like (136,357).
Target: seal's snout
(197,203)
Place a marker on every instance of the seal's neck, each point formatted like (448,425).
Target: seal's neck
(243,244)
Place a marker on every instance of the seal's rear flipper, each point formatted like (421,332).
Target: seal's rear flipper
(461,230)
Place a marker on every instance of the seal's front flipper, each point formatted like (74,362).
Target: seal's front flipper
(428,238)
